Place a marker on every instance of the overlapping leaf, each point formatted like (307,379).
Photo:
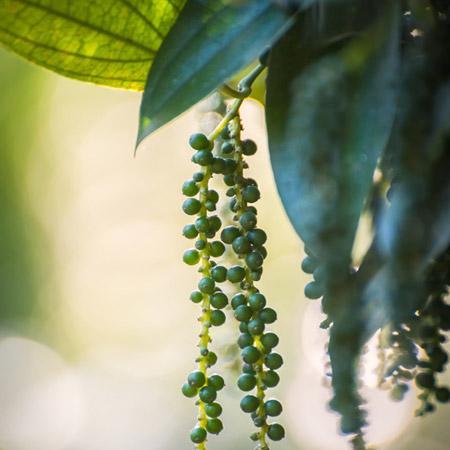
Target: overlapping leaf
(108,42)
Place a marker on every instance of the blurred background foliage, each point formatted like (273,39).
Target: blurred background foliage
(96,328)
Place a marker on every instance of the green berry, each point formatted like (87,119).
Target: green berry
(214,426)
(309,264)
(191,206)
(196,297)
(219,273)
(271,378)
(230,166)
(191,257)
(229,179)
(276,432)
(425,380)
(227,148)
(203,158)
(212,195)
(244,340)
(217,318)
(216,382)
(236,274)
(200,244)
(243,313)
(256,327)
(211,359)
(198,435)
(219,300)
(257,237)
(231,192)
(256,275)
(189,391)
(313,290)
(248,220)
(218,165)
(273,408)
(216,249)
(242,245)
(229,234)
(198,176)
(246,382)
(215,223)
(202,224)
(207,394)
(251,194)
(199,141)
(263,252)
(249,403)
(248,368)
(190,188)
(248,147)
(273,361)
(442,394)
(210,206)
(254,260)
(190,232)
(243,327)
(268,315)
(257,301)
(213,410)
(238,300)
(319,274)
(206,285)
(269,341)
(196,379)
(250,354)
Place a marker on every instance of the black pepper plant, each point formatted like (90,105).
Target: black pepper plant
(357,103)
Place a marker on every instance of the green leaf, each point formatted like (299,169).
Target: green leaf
(108,42)
(211,41)
(329,115)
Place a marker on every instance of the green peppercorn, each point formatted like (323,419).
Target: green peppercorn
(206,285)
(275,432)
(216,382)
(425,380)
(196,379)
(249,403)
(271,378)
(190,232)
(203,158)
(218,165)
(196,297)
(256,327)
(207,394)
(202,224)
(227,148)
(251,194)
(213,410)
(238,300)
(210,234)
(198,176)
(191,257)
(191,206)
(214,426)
(268,315)
(254,260)
(229,179)
(244,340)
(217,318)
(229,234)
(246,382)
(442,394)
(219,300)
(230,192)
(251,354)
(248,147)
(241,245)
(243,313)
(215,223)
(230,166)
(225,133)
(243,327)
(257,237)
(273,361)
(216,249)
(198,435)
(234,206)
(257,301)
(248,368)
(248,220)
(313,290)
(309,264)
(212,195)
(269,341)
(211,359)
(259,422)
(210,206)
(189,391)
(319,274)
(190,188)
(235,274)
(200,244)
(273,408)
(199,141)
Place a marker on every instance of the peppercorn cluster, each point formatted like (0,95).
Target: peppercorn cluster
(224,156)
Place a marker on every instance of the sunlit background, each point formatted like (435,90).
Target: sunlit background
(96,330)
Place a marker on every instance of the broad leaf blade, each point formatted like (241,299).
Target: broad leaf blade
(210,42)
(329,116)
(108,42)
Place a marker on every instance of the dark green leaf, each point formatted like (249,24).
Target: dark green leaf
(108,42)
(329,115)
(211,41)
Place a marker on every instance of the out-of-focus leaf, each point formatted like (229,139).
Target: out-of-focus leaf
(329,117)
(108,42)
(211,41)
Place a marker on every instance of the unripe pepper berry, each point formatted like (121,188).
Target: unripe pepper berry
(199,141)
